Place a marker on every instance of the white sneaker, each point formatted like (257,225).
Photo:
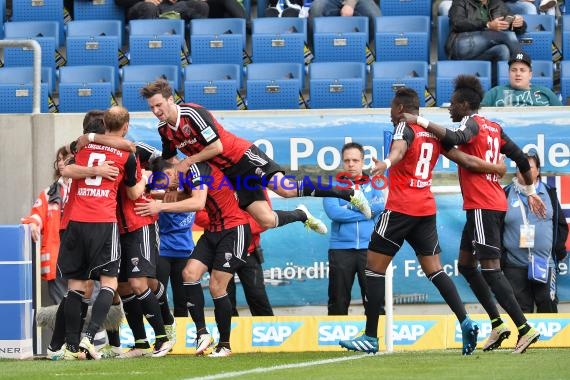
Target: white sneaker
(203,342)
(57,354)
(162,349)
(359,201)
(220,352)
(546,5)
(135,353)
(89,347)
(313,223)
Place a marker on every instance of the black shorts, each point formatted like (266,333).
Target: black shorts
(393,228)
(251,175)
(139,253)
(482,233)
(89,250)
(223,251)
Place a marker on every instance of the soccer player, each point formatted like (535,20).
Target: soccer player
(410,215)
(222,248)
(139,253)
(485,204)
(90,248)
(195,132)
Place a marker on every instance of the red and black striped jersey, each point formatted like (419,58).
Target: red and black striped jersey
(197,128)
(410,179)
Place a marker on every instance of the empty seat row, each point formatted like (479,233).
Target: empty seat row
(268,85)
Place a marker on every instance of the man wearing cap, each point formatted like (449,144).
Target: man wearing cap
(520,92)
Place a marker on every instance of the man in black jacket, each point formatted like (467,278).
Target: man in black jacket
(483,30)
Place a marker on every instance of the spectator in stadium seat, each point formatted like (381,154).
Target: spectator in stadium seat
(226,9)
(525,7)
(44,221)
(550,242)
(151,9)
(348,8)
(520,92)
(483,30)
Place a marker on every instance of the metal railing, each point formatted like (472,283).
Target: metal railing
(37,50)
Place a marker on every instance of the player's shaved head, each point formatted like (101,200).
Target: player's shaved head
(408,98)
(115,118)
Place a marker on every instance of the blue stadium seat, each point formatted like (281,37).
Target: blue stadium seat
(387,77)
(213,86)
(542,73)
(565,82)
(447,71)
(156,41)
(566,37)
(340,39)
(217,40)
(97,10)
(46,10)
(402,38)
(442,34)
(16,89)
(406,7)
(276,39)
(46,33)
(540,32)
(336,84)
(83,88)
(274,85)
(94,42)
(136,77)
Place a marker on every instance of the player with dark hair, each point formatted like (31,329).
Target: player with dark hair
(410,215)
(485,204)
(221,250)
(194,131)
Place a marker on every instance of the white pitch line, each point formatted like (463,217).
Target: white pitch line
(279,367)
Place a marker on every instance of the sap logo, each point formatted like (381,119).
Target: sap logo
(211,327)
(408,332)
(548,327)
(272,334)
(331,332)
(127,338)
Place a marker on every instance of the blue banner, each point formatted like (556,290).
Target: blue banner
(296,267)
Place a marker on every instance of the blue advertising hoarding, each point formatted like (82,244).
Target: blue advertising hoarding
(309,142)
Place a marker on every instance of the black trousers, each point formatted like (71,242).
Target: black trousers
(344,265)
(251,278)
(170,268)
(531,293)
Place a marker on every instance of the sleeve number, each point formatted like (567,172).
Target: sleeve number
(95,159)
(424,161)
